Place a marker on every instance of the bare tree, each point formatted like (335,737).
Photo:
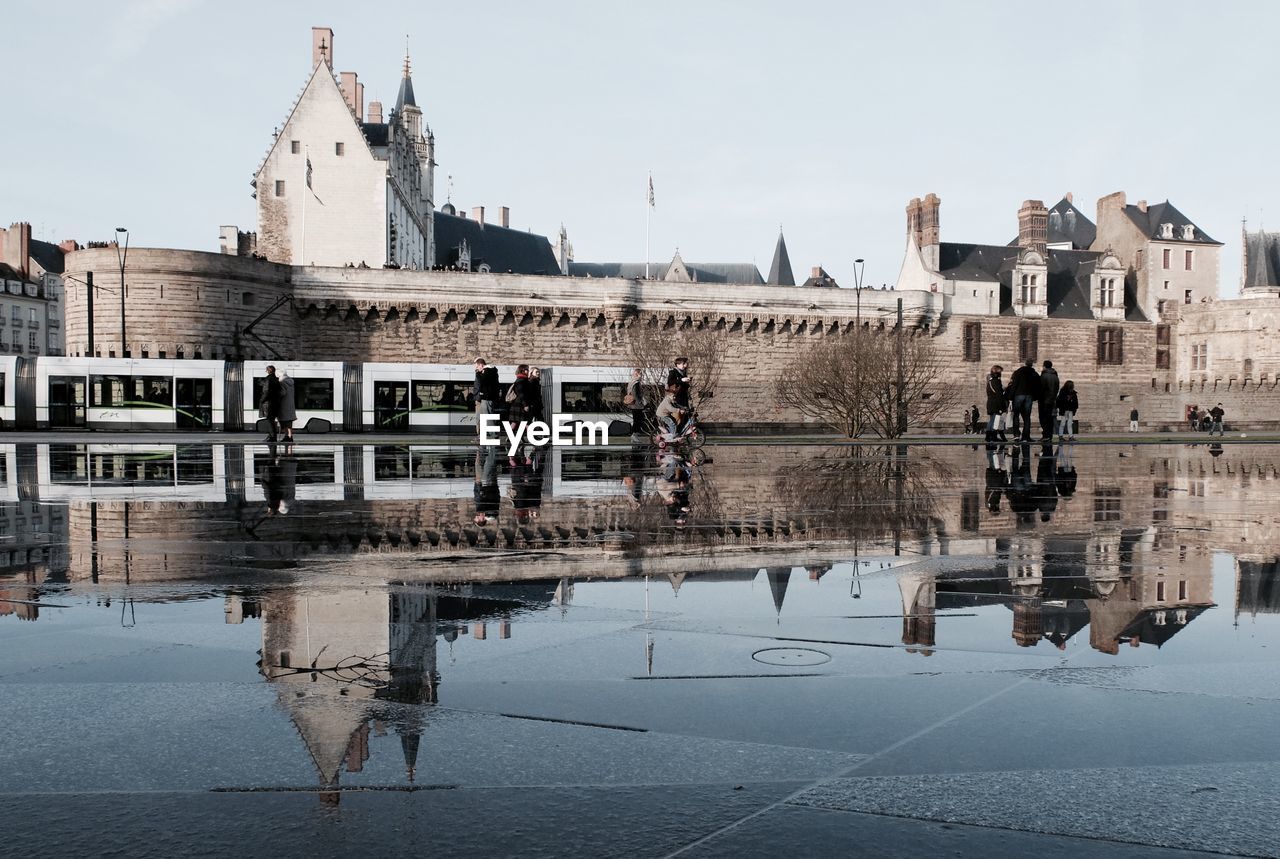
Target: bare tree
(852,383)
(654,347)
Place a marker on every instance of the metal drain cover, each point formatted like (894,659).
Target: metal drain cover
(791,657)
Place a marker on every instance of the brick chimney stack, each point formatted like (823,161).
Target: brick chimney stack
(924,226)
(16,247)
(353,92)
(477,212)
(1033,226)
(321,46)
(913,220)
(375,111)
(504,217)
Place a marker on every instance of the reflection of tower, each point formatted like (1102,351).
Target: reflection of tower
(343,659)
(1153,603)
(1028,622)
(919,618)
(1257,587)
(778,581)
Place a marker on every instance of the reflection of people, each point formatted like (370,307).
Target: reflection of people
(1044,489)
(997,479)
(1065,474)
(1021,500)
(526,488)
(674,477)
(633,399)
(280,482)
(487,497)
(288,407)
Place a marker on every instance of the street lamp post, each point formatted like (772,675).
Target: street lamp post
(901,414)
(122,256)
(858,267)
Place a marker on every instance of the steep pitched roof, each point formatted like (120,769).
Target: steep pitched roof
(1261,259)
(780,269)
(963,261)
(48,255)
(705,272)
(821,279)
(378,134)
(500,248)
(336,92)
(1165,213)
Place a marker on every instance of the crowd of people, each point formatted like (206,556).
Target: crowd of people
(1009,406)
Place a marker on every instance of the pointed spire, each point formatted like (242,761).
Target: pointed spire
(780,271)
(406,83)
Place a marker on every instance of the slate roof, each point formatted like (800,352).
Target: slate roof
(1261,259)
(1165,213)
(705,272)
(49,255)
(780,273)
(1069,273)
(377,133)
(405,95)
(502,249)
(821,279)
(1068,225)
(1148,631)
(8,272)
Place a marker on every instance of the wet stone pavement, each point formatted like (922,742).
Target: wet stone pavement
(808,650)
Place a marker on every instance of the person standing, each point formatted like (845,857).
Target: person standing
(534,393)
(288,406)
(1024,392)
(518,404)
(1068,404)
(485,391)
(1048,400)
(1133,420)
(269,406)
(996,404)
(1193,417)
(1216,413)
(680,378)
(634,400)
(975,422)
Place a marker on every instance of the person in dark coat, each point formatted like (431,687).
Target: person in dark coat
(1048,400)
(485,392)
(1068,405)
(680,378)
(269,407)
(997,479)
(1023,393)
(996,404)
(975,420)
(1045,490)
(1216,413)
(534,392)
(519,401)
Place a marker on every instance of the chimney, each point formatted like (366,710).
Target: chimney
(1069,197)
(1033,226)
(477,212)
(68,245)
(359,99)
(913,220)
(350,84)
(930,230)
(1142,206)
(504,217)
(16,250)
(321,46)
(375,112)
(815,272)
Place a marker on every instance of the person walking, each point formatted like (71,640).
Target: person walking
(975,424)
(485,391)
(269,405)
(1023,392)
(1193,417)
(288,406)
(1216,413)
(1048,400)
(634,400)
(1133,420)
(996,404)
(1068,404)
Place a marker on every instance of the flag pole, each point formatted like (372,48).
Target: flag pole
(648,209)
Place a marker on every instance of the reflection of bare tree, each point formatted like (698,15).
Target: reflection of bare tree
(867,492)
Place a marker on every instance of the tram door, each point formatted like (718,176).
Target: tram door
(67,401)
(390,406)
(193,399)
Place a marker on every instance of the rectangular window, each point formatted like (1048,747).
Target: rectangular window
(973,341)
(1138,260)
(31,341)
(439,395)
(308,394)
(1162,335)
(31,314)
(338,149)
(1182,589)
(1186,297)
(1159,591)
(1166,284)
(1028,342)
(279,187)
(1110,345)
(1168,257)
(1106,504)
(592,397)
(1162,359)
(970,510)
(107,391)
(295,146)
(1190,255)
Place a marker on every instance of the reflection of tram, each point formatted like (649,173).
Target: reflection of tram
(421,471)
(120,393)
(316,472)
(131,472)
(163,394)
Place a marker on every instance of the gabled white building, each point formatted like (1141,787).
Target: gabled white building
(338,188)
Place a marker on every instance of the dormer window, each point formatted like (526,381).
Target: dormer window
(1166,231)
(1107,292)
(1029,288)
(1188,232)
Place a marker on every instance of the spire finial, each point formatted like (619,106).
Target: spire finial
(406,55)
(448,196)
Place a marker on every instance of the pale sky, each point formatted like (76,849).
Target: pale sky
(823,117)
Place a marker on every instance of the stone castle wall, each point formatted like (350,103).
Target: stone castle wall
(192,304)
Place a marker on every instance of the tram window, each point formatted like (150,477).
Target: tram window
(108,391)
(2,380)
(313,395)
(592,397)
(438,395)
(154,390)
